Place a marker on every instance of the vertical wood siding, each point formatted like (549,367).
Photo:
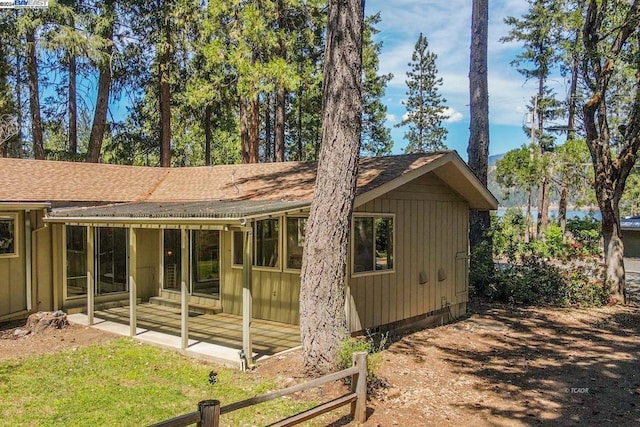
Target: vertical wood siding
(431,230)
(13,295)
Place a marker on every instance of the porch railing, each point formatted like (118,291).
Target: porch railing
(209,411)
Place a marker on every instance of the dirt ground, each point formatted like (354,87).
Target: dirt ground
(502,366)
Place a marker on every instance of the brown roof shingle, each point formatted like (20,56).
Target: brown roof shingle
(40,180)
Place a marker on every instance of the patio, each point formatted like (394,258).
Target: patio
(211,336)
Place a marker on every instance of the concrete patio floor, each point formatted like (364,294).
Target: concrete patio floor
(216,337)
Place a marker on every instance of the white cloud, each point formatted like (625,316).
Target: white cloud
(452,115)
(391,118)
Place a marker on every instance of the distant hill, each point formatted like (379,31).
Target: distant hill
(493,159)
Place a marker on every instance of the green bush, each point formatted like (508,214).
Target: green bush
(587,234)
(533,280)
(372,344)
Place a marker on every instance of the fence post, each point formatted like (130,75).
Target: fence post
(359,386)
(209,413)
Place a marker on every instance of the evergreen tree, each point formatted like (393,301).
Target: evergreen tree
(425,105)
(376,138)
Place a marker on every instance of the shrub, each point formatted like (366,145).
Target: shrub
(587,233)
(372,344)
(533,280)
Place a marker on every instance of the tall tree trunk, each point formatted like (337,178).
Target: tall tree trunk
(73,105)
(529,219)
(18,146)
(281,97)
(254,130)
(244,130)
(299,142)
(104,87)
(164,76)
(571,124)
(34,95)
(322,302)
(207,135)
(268,153)
(478,149)
(543,185)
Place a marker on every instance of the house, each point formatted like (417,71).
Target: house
(233,235)
(630,230)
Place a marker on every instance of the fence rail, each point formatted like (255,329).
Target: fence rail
(209,411)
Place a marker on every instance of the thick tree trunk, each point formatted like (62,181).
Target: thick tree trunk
(244,131)
(614,254)
(478,149)
(281,97)
(268,152)
(562,205)
(254,130)
(207,135)
(104,87)
(73,106)
(322,301)
(164,76)
(299,142)
(34,96)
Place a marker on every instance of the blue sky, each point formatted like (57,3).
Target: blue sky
(447,24)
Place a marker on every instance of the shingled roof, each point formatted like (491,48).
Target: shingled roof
(225,191)
(51,181)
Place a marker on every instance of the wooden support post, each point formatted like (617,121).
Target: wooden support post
(133,293)
(209,413)
(359,387)
(28,259)
(184,296)
(247,299)
(90,282)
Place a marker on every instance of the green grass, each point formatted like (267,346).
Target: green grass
(125,383)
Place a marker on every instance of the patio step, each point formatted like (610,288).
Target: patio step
(193,307)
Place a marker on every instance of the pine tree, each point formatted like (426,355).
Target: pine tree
(425,105)
(376,138)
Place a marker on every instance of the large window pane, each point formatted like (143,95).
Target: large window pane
(295,241)
(238,248)
(112,260)
(363,244)
(266,243)
(205,268)
(372,244)
(384,243)
(172,253)
(7,235)
(76,261)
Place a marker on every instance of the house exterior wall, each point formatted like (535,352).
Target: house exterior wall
(431,236)
(13,268)
(276,292)
(13,297)
(147,262)
(631,243)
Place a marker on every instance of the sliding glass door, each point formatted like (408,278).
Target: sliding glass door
(111,260)
(205,262)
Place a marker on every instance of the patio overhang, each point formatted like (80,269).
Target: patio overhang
(215,213)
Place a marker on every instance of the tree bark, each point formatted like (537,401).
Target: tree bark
(478,149)
(281,97)
(34,95)
(244,131)
(254,130)
(268,152)
(73,105)
(207,135)
(322,302)
(104,87)
(164,77)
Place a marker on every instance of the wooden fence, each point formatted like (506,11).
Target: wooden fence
(209,411)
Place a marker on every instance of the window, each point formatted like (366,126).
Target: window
(238,248)
(8,235)
(76,260)
(372,243)
(205,266)
(172,255)
(266,242)
(295,242)
(111,249)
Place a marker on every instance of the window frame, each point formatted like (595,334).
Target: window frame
(286,268)
(65,251)
(374,216)
(278,266)
(233,249)
(16,234)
